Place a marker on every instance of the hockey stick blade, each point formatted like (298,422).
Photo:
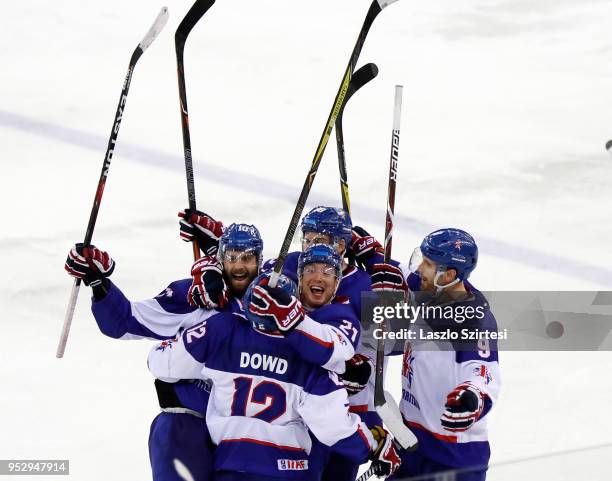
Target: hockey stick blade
(197,11)
(158,25)
(375,8)
(390,414)
(360,78)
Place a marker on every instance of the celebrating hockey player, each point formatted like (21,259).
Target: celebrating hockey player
(266,399)
(447,389)
(179,431)
(329,226)
(447,393)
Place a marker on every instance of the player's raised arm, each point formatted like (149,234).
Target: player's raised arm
(118,317)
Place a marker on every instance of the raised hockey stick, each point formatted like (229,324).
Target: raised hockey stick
(375,8)
(197,10)
(157,27)
(385,405)
(360,78)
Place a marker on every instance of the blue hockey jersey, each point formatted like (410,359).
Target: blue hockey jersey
(158,318)
(354,281)
(265,398)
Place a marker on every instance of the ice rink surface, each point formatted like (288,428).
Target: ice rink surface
(507,106)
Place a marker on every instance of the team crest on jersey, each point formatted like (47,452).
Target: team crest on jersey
(483,372)
(165,344)
(292,464)
(407,361)
(167,292)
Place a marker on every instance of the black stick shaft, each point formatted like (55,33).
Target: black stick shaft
(197,10)
(375,8)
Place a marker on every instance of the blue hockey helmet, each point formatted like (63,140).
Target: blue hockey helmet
(260,322)
(331,221)
(241,237)
(320,253)
(450,249)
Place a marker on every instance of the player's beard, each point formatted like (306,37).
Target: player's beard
(238,279)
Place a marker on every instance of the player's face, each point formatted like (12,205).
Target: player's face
(318,284)
(240,268)
(427,270)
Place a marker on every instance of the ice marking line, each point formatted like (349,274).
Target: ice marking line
(273,189)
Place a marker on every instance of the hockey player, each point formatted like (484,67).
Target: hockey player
(322,225)
(179,431)
(331,226)
(265,399)
(447,389)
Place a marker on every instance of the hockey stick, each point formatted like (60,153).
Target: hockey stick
(360,78)
(375,8)
(157,27)
(384,403)
(197,10)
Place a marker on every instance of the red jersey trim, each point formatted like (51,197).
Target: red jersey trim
(441,437)
(262,443)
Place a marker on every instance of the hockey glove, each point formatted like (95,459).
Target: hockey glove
(89,264)
(464,405)
(387,277)
(385,458)
(277,305)
(208,289)
(357,373)
(363,245)
(206,230)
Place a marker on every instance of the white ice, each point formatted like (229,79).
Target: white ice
(506,112)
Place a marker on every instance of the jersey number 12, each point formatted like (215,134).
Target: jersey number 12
(245,394)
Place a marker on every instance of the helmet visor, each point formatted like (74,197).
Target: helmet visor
(416,259)
(234,256)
